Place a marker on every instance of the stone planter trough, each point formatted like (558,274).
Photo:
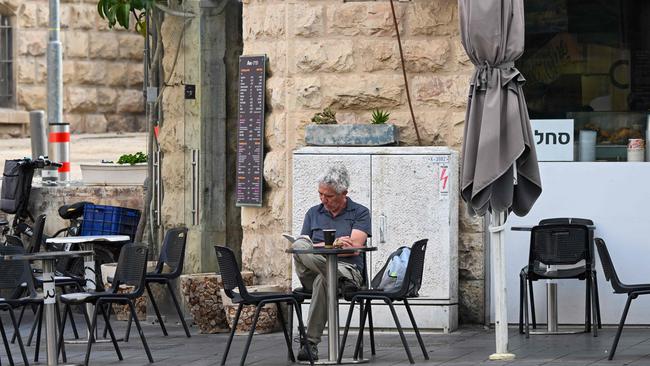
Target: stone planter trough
(268,319)
(201,295)
(114,174)
(351,135)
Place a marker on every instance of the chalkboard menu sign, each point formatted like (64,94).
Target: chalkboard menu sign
(250,132)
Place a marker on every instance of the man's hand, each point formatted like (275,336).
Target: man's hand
(343,242)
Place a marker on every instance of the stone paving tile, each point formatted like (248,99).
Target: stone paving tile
(468,346)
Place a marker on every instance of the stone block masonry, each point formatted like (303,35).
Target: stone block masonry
(344,55)
(102,68)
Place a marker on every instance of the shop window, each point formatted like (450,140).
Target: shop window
(6,62)
(589,61)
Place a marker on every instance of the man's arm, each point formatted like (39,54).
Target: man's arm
(356,239)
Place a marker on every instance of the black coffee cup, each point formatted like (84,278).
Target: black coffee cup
(330,235)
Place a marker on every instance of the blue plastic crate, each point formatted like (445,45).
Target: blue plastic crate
(109,220)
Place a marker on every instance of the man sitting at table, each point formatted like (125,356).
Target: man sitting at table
(352,223)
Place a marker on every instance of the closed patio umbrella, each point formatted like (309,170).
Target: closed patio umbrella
(499,164)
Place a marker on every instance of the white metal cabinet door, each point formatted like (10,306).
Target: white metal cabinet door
(408,204)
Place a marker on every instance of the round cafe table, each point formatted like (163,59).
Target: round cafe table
(331,260)
(49,292)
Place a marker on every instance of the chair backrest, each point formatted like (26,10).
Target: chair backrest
(230,275)
(172,252)
(559,244)
(608,266)
(131,268)
(15,275)
(565,220)
(414,270)
(37,234)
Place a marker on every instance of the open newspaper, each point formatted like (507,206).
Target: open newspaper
(294,238)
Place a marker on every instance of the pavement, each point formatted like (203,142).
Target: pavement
(84,148)
(470,345)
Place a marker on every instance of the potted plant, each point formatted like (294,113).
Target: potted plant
(130,169)
(325,131)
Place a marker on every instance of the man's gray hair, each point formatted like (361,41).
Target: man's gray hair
(336,177)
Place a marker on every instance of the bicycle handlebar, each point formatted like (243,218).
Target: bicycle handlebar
(39,163)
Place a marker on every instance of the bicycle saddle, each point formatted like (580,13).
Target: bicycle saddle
(73,211)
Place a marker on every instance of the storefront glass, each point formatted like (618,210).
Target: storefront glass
(589,61)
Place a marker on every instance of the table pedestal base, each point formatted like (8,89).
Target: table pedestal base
(343,361)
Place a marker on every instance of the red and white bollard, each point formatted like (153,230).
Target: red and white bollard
(60,149)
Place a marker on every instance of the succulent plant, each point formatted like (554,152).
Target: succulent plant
(326,117)
(379,117)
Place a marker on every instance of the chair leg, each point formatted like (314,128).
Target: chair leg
(58,323)
(128,330)
(301,330)
(33,329)
(110,331)
(526,324)
(286,333)
(178,310)
(155,308)
(137,324)
(38,332)
(91,332)
(399,329)
(600,325)
(588,304)
(60,343)
(371,328)
(232,333)
(20,320)
(594,304)
(415,328)
(6,343)
(630,297)
(20,340)
(364,315)
(73,324)
(250,334)
(347,328)
(531,299)
(361,310)
(521,304)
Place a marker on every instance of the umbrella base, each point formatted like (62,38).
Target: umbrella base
(502,356)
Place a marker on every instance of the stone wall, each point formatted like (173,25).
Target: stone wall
(328,53)
(102,67)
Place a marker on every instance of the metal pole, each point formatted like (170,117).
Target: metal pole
(55,88)
(49,293)
(38,132)
(500,294)
(332,309)
(551,303)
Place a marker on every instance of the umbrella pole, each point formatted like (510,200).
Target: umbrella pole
(498,253)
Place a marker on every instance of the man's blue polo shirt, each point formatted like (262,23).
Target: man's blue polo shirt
(354,216)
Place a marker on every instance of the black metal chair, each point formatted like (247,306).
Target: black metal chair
(559,244)
(172,254)
(234,287)
(410,285)
(16,277)
(130,271)
(553,221)
(632,291)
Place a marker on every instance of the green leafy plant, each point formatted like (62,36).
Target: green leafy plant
(132,159)
(326,117)
(120,11)
(379,117)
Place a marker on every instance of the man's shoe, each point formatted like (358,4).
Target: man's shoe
(313,349)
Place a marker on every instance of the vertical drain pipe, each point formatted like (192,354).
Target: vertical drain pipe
(57,129)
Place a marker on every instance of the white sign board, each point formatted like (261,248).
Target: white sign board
(553,139)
